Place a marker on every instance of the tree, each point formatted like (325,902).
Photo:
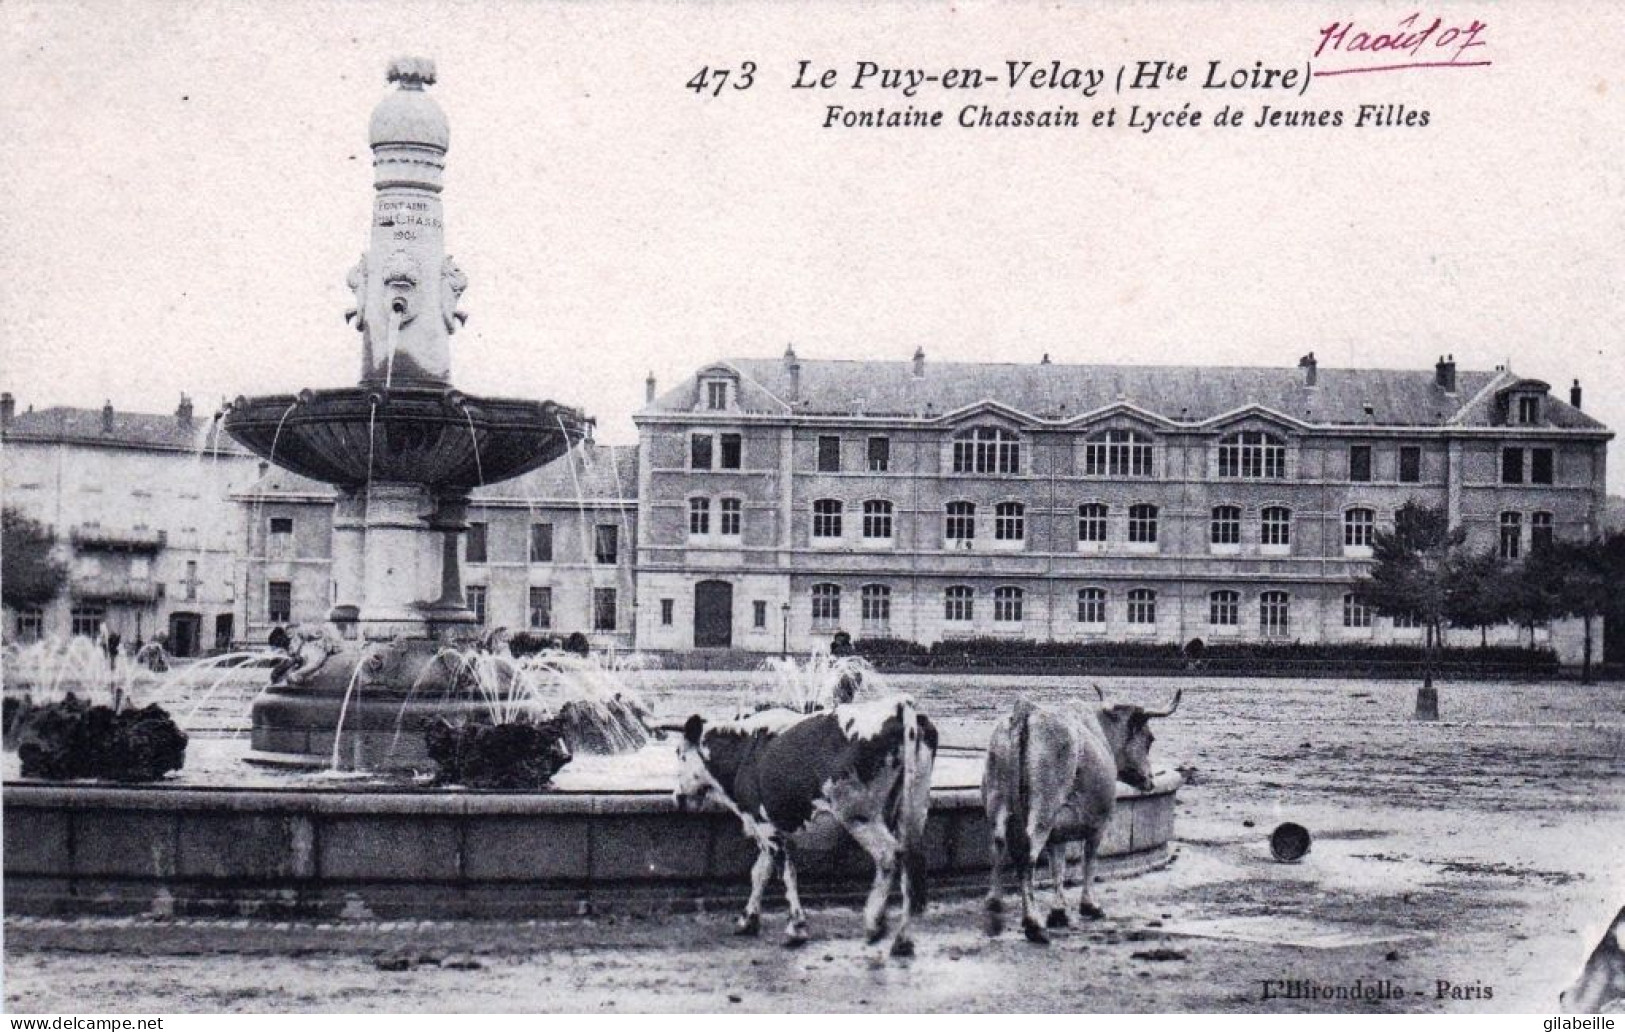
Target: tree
(1410,578)
(1476,591)
(30,575)
(1577,578)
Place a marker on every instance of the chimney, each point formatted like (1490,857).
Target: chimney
(1444,374)
(1574,398)
(107,417)
(789,355)
(183,412)
(919,361)
(649,388)
(794,366)
(1311,372)
(1045,359)
(8,406)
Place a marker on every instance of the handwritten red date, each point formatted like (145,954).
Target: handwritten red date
(1415,38)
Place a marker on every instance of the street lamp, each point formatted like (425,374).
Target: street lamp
(784,612)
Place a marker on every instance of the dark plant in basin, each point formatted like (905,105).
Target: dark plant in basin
(14,711)
(74,739)
(522,754)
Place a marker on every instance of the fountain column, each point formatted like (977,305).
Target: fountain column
(396,573)
(349,571)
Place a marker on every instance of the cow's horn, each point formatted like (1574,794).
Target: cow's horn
(1170,710)
(1098,693)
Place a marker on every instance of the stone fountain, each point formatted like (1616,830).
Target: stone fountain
(404,448)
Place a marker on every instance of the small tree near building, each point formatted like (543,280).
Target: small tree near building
(1578,579)
(30,576)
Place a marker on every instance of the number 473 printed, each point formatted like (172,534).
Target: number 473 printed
(715,79)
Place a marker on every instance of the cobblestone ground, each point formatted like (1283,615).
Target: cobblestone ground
(1485,852)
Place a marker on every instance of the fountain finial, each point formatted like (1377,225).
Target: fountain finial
(413,73)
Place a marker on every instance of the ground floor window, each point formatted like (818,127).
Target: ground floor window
(30,624)
(603,609)
(758,615)
(541,607)
(1355,613)
(826,606)
(1092,606)
(959,604)
(476,602)
(1142,606)
(1406,622)
(1224,608)
(278,602)
(1007,605)
(87,620)
(876,601)
(1274,613)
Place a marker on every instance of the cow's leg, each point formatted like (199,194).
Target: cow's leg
(1086,905)
(1057,868)
(994,904)
(795,932)
(1038,839)
(750,922)
(881,846)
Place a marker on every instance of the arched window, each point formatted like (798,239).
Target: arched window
(1142,524)
(1540,531)
(876,605)
(1252,455)
(959,604)
(1007,605)
(699,517)
(987,449)
(877,520)
(1118,453)
(1225,528)
(730,517)
(1092,523)
(1359,527)
(1142,606)
(1355,613)
(1275,527)
(1274,613)
(826,606)
(1092,605)
(1224,608)
(1009,521)
(1511,535)
(960,527)
(826,518)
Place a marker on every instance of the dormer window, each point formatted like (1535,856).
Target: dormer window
(716,395)
(1529,409)
(717,389)
(987,449)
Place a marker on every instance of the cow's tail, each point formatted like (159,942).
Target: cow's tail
(1019,845)
(918,737)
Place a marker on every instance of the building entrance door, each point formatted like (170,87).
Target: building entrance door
(222,632)
(713,615)
(183,634)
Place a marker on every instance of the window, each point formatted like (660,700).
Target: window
(733,448)
(826,606)
(879,454)
(1540,531)
(829,454)
(730,517)
(758,615)
(476,601)
(604,615)
(1360,463)
(1009,521)
(282,524)
(1359,526)
(960,529)
(716,395)
(541,542)
(278,601)
(1142,606)
(987,449)
(959,604)
(1528,410)
(1511,535)
(191,581)
(30,624)
(1410,464)
(826,518)
(86,621)
(699,451)
(1540,465)
(699,517)
(1274,609)
(1091,523)
(1355,614)
(1225,527)
(877,520)
(1253,454)
(1142,524)
(1092,605)
(1407,622)
(281,542)
(476,548)
(1007,605)
(668,612)
(876,604)
(605,544)
(1511,465)
(1275,527)
(541,608)
(1224,608)
(1118,453)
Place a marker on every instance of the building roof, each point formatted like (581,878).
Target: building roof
(604,473)
(1057,392)
(94,427)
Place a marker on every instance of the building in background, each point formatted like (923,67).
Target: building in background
(781,501)
(140,505)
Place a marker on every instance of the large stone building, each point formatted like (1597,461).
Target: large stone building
(780,501)
(139,505)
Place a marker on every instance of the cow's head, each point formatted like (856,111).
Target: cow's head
(1128,729)
(694,780)
(1602,981)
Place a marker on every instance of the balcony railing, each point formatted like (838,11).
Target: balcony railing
(105,588)
(92,538)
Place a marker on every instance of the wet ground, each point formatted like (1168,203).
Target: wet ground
(1465,865)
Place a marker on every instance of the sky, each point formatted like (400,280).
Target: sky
(185,187)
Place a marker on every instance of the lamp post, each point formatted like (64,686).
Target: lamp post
(784,613)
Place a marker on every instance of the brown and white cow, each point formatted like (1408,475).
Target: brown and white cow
(1051,778)
(867,764)
(1601,985)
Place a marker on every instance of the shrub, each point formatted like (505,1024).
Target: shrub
(73,739)
(518,755)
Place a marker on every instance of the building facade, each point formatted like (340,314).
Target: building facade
(781,501)
(140,506)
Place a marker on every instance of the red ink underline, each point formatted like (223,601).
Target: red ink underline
(1401,67)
